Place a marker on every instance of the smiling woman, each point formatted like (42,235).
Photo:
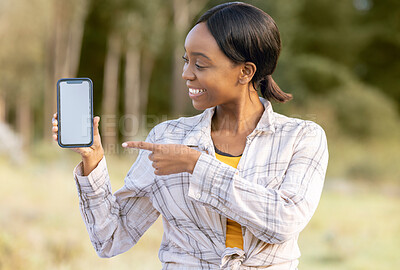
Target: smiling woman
(234,184)
(210,75)
(247,34)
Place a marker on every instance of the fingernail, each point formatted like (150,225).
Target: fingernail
(124,144)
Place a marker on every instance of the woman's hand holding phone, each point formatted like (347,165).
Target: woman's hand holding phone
(91,156)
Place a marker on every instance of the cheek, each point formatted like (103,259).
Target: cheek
(214,82)
(220,83)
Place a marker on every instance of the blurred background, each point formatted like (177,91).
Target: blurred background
(340,60)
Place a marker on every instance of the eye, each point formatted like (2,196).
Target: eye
(185,59)
(199,67)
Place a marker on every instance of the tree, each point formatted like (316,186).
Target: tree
(62,49)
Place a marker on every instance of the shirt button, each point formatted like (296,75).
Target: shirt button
(224,209)
(198,195)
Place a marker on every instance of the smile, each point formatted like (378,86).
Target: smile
(196,91)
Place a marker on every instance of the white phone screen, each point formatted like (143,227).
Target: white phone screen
(75,112)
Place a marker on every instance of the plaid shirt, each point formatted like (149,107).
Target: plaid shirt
(273,194)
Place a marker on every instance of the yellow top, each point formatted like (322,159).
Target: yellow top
(234,236)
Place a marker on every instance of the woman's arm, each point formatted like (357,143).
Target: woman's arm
(116,222)
(272,215)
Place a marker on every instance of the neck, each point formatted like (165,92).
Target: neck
(240,116)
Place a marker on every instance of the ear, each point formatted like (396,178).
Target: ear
(247,72)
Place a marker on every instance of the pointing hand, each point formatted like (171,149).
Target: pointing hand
(168,158)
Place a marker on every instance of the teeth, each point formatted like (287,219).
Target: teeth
(196,91)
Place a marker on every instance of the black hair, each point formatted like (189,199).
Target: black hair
(245,33)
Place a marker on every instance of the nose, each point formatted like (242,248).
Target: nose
(187,73)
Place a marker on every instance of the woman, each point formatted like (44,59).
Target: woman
(235,184)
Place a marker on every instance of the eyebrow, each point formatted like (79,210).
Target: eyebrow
(200,54)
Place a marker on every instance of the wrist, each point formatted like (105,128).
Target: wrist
(90,162)
(193,158)
(93,155)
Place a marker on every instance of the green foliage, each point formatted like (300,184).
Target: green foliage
(361,122)
(363,112)
(361,35)
(309,75)
(377,65)
(319,75)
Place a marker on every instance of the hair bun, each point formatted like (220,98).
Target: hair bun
(271,91)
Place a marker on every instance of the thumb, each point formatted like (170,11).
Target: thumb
(96,121)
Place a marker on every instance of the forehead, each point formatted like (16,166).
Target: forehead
(199,39)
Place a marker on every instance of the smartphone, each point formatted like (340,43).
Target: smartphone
(75,112)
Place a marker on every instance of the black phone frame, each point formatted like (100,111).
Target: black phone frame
(59,115)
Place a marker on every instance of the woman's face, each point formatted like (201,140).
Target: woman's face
(212,78)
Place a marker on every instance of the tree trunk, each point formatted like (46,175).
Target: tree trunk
(110,94)
(24,121)
(75,37)
(50,102)
(132,118)
(181,22)
(147,68)
(63,48)
(2,108)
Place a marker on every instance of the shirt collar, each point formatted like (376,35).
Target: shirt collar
(200,134)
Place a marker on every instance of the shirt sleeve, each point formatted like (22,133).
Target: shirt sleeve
(272,215)
(115,222)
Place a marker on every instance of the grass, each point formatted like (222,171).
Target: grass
(355,230)
(41,227)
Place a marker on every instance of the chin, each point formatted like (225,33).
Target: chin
(200,107)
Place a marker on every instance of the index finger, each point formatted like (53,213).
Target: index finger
(141,145)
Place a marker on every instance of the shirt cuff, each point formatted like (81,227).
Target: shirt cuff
(94,181)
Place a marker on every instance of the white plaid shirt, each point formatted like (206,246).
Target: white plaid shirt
(273,194)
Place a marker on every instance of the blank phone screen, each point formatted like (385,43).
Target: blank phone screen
(75,112)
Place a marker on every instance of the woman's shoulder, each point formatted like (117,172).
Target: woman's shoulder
(295,123)
(176,128)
